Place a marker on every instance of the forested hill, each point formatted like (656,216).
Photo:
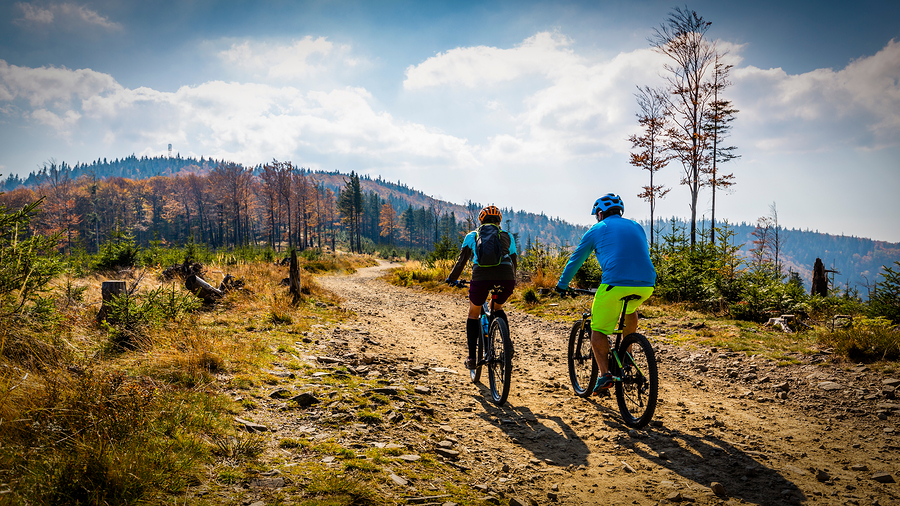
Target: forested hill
(857,260)
(130,167)
(529,227)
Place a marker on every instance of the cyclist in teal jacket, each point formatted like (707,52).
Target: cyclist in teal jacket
(484,278)
(621,249)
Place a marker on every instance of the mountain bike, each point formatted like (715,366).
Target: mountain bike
(494,350)
(632,363)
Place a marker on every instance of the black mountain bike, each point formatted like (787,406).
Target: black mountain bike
(632,363)
(495,349)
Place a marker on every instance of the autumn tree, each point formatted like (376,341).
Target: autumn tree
(388,222)
(651,154)
(717,125)
(682,39)
(231,185)
(60,192)
(350,206)
(285,176)
(269,198)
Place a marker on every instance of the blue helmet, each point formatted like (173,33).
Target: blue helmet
(607,202)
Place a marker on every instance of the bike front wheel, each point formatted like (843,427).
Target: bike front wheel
(582,367)
(499,361)
(637,390)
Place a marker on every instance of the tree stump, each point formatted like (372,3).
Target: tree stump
(294,276)
(819,279)
(108,290)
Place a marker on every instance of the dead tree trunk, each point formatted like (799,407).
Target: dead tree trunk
(202,289)
(108,290)
(295,276)
(819,279)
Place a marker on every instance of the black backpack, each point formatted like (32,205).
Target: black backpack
(488,247)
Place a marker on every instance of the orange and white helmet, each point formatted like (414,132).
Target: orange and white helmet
(490,211)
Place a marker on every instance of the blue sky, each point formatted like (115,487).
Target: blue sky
(520,104)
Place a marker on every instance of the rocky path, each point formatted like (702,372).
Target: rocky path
(727,430)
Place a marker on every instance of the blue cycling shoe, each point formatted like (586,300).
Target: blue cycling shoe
(603,383)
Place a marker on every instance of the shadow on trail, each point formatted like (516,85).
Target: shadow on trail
(534,432)
(704,459)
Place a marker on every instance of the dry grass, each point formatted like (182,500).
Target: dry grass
(84,423)
(430,276)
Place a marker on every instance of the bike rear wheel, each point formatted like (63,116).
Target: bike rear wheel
(582,367)
(499,361)
(637,391)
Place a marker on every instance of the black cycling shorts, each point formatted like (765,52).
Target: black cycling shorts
(479,290)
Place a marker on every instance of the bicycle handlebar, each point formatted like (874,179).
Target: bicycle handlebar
(459,283)
(571,292)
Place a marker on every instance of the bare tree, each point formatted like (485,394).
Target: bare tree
(717,126)
(768,242)
(651,144)
(682,39)
(761,242)
(777,241)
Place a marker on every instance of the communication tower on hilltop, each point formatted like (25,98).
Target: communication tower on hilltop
(170,150)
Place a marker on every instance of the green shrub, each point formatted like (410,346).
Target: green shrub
(119,251)
(128,317)
(885,301)
(27,262)
(865,339)
(589,275)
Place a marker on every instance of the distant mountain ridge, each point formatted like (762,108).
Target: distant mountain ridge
(859,260)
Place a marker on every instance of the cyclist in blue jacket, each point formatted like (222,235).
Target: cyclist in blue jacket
(621,249)
(497,270)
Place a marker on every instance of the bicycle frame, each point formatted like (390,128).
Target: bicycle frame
(619,332)
(495,350)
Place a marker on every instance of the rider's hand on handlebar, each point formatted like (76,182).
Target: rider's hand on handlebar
(451,282)
(562,291)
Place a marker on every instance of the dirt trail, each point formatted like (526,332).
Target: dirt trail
(722,418)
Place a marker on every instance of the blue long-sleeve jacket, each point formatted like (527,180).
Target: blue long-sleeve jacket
(621,249)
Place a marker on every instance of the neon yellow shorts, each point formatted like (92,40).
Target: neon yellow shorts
(608,305)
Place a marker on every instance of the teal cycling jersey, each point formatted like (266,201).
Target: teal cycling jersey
(506,269)
(621,249)
(471,237)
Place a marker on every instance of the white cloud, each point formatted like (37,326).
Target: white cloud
(57,86)
(857,106)
(542,54)
(57,122)
(242,122)
(34,14)
(303,58)
(64,14)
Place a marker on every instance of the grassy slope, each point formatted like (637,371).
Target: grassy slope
(88,424)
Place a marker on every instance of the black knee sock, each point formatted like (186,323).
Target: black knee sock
(502,315)
(473,334)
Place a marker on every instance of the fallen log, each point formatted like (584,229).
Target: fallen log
(202,289)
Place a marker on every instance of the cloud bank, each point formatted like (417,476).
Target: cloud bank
(580,111)
(63,14)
